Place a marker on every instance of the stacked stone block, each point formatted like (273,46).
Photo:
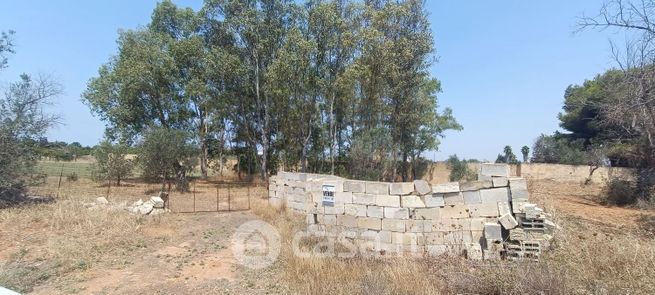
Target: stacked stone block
(485,219)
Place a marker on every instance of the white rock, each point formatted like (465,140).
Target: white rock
(101,201)
(157,202)
(137,203)
(146,208)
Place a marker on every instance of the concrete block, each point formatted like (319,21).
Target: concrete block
(364,199)
(401,188)
(434,200)
(437,250)
(500,181)
(483,210)
(406,238)
(458,238)
(504,208)
(490,169)
(337,209)
(492,231)
(418,226)
(477,236)
(394,225)
(475,185)
(446,225)
(347,221)
(396,213)
(422,187)
(354,186)
(376,236)
(412,202)
(453,198)
(508,221)
(456,212)
(434,238)
(377,188)
(374,211)
(472,197)
(427,213)
(387,201)
(343,197)
(518,188)
(327,219)
(369,223)
(271,193)
(354,209)
(474,251)
(518,206)
(531,211)
(495,195)
(451,187)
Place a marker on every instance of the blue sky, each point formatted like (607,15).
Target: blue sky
(504,65)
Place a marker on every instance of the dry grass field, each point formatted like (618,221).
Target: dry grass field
(64,247)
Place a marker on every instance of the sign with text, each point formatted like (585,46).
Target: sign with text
(328,195)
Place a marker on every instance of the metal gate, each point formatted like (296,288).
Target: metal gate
(216,197)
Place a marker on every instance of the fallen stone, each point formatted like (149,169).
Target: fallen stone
(422,187)
(157,202)
(146,208)
(101,201)
(137,203)
(508,221)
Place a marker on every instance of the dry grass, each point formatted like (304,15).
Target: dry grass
(582,261)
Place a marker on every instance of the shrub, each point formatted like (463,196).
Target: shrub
(619,192)
(71,177)
(459,169)
(112,162)
(167,154)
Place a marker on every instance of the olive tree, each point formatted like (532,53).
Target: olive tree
(165,155)
(112,162)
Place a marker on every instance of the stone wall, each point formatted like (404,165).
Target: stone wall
(486,219)
(572,173)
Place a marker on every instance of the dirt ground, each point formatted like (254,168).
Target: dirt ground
(180,253)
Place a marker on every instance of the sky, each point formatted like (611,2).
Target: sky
(503,65)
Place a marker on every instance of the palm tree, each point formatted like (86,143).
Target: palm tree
(525,150)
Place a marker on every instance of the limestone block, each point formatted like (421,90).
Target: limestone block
(451,187)
(374,211)
(492,231)
(336,209)
(456,211)
(406,238)
(327,219)
(434,238)
(508,221)
(474,251)
(495,195)
(369,223)
(276,202)
(412,202)
(490,169)
(518,188)
(355,209)
(504,208)
(396,213)
(387,201)
(464,224)
(271,193)
(472,197)
(364,199)
(401,188)
(311,219)
(453,198)
(338,184)
(446,225)
(317,197)
(483,210)
(354,186)
(422,187)
(377,188)
(434,200)
(427,213)
(343,197)
(347,221)
(477,236)
(312,208)
(518,206)
(500,181)
(395,225)
(314,186)
(458,237)
(377,236)
(418,226)
(437,250)
(157,202)
(475,185)
(102,201)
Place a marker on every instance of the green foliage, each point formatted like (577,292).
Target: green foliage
(558,149)
(72,177)
(166,154)
(112,162)
(525,151)
(459,169)
(507,157)
(6,46)
(620,192)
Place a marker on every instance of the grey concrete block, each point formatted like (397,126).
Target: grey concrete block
(412,202)
(493,232)
(500,181)
(453,198)
(434,200)
(490,169)
(377,188)
(396,213)
(422,187)
(495,195)
(374,211)
(475,185)
(472,197)
(401,188)
(508,221)
(354,186)
(387,201)
(519,189)
(395,225)
(450,187)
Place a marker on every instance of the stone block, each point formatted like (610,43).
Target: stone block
(434,238)
(396,213)
(377,236)
(354,186)
(483,210)
(103,201)
(450,187)
(490,169)
(422,187)
(364,199)
(472,197)
(336,209)
(504,208)
(474,251)
(355,209)
(418,226)
(347,221)
(492,231)
(495,195)
(453,198)
(157,202)
(434,200)
(311,219)
(456,212)
(387,201)
(500,181)
(369,223)
(377,188)
(406,238)
(518,206)
(327,219)
(458,237)
(412,202)
(401,188)
(518,188)
(343,197)
(446,225)
(475,185)
(374,211)
(394,225)
(437,250)
(477,236)
(271,193)
(508,221)
(427,213)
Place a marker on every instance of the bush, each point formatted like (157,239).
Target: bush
(71,177)
(167,154)
(619,192)
(112,162)
(459,169)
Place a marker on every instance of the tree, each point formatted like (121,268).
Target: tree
(507,157)
(6,46)
(558,149)
(525,150)
(112,162)
(459,169)
(166,154)
(22,123)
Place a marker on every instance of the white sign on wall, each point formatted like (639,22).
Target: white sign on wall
(328,195)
